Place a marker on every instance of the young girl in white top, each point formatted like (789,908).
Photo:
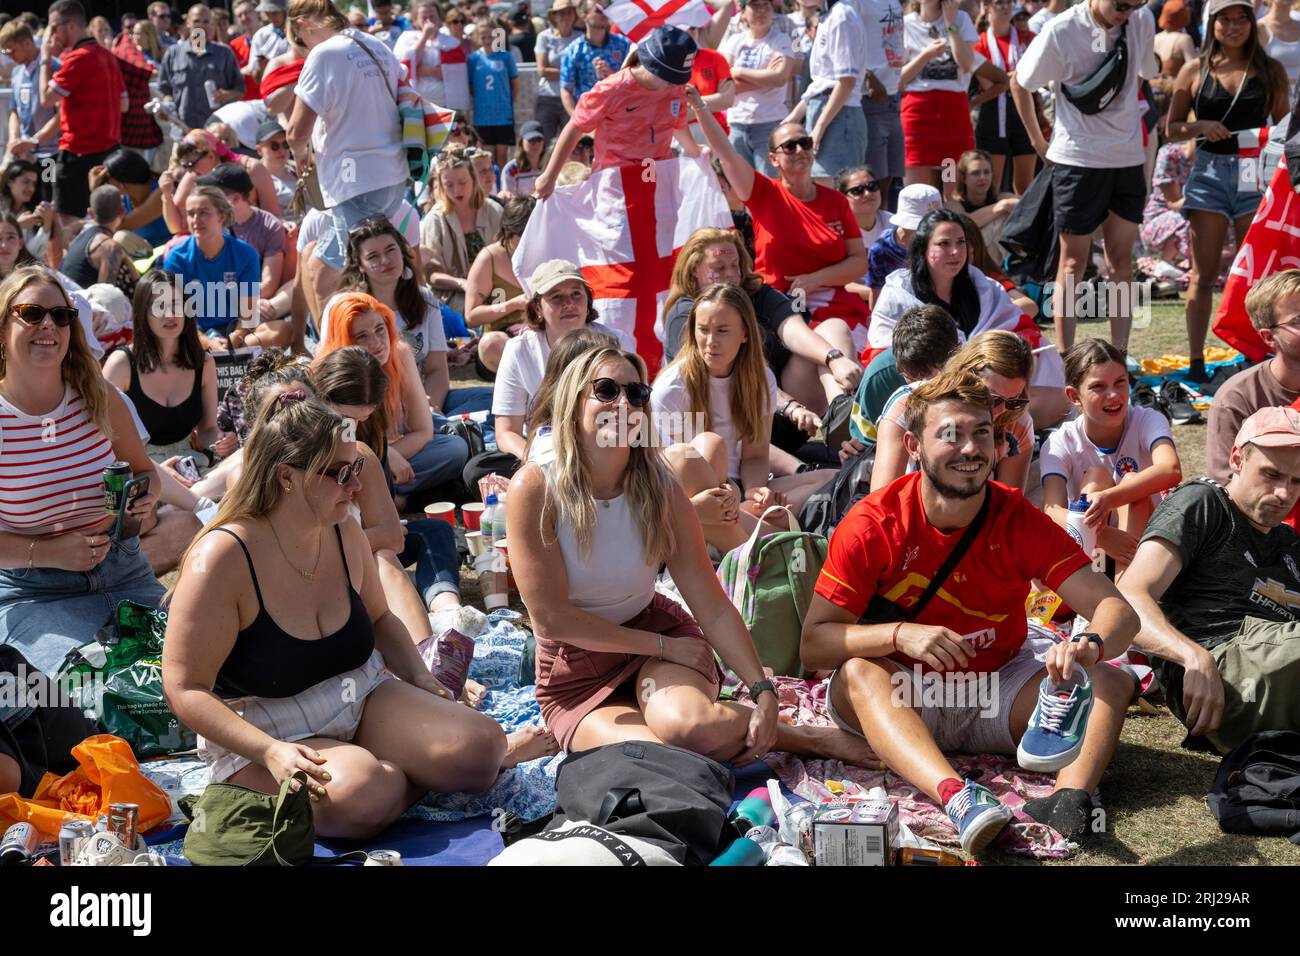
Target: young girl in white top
(1121,457)
(713,407)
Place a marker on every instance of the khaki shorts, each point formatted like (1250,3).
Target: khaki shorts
(974,718)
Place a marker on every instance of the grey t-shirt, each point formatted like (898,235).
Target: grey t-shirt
(263,232)
(552,44)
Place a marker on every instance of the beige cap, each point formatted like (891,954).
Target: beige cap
(1273,427)
(559,5)
(551,273)
(1214,6)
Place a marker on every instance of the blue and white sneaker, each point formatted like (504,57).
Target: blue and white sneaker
(978,814)
(1055,732)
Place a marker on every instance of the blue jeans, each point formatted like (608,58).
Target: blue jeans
(332,246)
(751,142)
(431,544)
(1212,187)
(46,612)
(442,459)
(884,137)
(845,141)
(463,401)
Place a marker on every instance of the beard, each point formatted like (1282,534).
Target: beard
(948,489)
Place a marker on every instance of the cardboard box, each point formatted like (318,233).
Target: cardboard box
(855,832)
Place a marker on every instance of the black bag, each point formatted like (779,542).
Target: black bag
(827,506)
(673,798)
(469,430)
(1257,788)
(1095,92)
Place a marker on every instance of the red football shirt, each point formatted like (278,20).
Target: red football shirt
(886,546)
(240,45)
(91,85)
(710,69)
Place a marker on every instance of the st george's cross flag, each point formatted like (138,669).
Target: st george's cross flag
(636,18)
(623,228)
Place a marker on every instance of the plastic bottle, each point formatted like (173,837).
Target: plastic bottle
(742,852)
(752,812)
(499,520)
(487,521)
(1085,536)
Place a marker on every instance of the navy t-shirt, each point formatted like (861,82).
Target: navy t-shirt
(213,287)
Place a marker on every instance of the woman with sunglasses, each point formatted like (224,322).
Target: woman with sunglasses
(1004,361)
(198,154)
(807,242)
(64,561)
(861,188)
(940,273)
(282,652)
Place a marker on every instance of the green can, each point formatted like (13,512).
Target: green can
(116,477)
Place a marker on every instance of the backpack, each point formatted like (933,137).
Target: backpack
(770,581)
(827,506)
(1257,788)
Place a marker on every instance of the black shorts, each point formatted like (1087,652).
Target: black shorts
(1084,197)
(39,739)
(497,135)
(1015,143)
(72,182)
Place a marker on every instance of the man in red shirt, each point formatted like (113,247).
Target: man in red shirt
(247,19)
(92,98)
(894,627)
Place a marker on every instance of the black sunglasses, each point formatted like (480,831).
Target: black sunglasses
(344,473)
(606,390)
(1011,404)
(1126,7)
(792,146)
(862,189)
(33,315)
(190,164)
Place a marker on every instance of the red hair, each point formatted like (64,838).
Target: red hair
(342,311)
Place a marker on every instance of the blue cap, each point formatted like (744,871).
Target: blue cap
(668,53)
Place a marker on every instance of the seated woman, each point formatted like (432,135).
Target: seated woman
(417,457)
(1122,457)
(1004,361)
(809,370)
(940,273)
(714,406)
(129,172)
(518,175)
(861,188)
(198,154)
(588,534)
(494,299)
(979,197)
(53,526)
(282,654)
(807,241)
(273,148)
(462,221)
(221,274)
(170,380)
(18,182)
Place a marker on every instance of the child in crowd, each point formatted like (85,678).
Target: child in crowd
(1122,457)
(494,79)
(891,249)
(519,175)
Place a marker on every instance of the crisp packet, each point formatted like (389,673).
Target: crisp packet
(1040,606)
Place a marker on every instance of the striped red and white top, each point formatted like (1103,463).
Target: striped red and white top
(51,469)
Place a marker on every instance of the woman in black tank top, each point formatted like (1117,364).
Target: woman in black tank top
(1233,90)
(283,611)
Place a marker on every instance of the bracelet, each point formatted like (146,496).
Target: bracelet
(661,646)
(31,552)
(894,640)
(954,29)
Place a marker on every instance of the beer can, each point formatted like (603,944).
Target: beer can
(122,820)
(115,478)
(211,87)
(384,858)
(19,845)
(72,837)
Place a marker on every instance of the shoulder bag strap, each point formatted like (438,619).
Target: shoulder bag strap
(954,556)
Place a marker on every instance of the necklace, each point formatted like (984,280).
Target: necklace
(307,575)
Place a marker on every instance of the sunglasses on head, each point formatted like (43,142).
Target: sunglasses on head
(606,390)
(862,189)
(792,146)
(1011,404)
(344,473)
(31,314)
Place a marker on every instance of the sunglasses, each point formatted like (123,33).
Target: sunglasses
(344,473)
(1126,7)
(862,189)
(1011,404)
(792,146)
(276,145)
(606,390)
(31,314)
(190,164)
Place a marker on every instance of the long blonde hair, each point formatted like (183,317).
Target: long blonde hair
(751,402)
(79,368)
(683,283)
(647,482)
(455,158)
(1002,352)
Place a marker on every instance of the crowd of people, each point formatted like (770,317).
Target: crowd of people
(185,189)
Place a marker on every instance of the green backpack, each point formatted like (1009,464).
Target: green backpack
(770,581)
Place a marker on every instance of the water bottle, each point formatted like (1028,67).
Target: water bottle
(211,87)
(1085,536)
(499,520)
(488,520)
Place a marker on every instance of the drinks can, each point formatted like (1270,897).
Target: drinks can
(72,837)
(384,858)
(211,87)
(115,477)
(19,845)
(122,821)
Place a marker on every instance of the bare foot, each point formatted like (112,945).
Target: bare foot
(829,743)
(528,744)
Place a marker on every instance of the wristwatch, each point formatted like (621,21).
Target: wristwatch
(832,355)
(1091,637)
(758,687)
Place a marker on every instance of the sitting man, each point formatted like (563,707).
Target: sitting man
(872,621)
(1217,586)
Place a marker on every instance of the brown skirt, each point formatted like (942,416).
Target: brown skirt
(572,682)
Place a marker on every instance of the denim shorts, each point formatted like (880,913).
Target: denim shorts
(1212,187)
(884,136)
(332,246)
(845,142)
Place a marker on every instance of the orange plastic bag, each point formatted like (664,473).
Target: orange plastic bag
(108,773)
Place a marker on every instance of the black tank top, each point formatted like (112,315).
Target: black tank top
(1213,102)
(76,263)
(166,424)
(267,662)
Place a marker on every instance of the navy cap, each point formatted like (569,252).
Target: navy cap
(668,53)
(268,129)
(532,130)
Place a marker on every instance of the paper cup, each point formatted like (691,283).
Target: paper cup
(474,541)
(443,511)
(505,553)
(472,514)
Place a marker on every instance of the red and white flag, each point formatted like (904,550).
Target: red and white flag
(624,227)
(1272,244)
(636,18)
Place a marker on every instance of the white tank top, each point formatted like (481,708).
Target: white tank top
(1286,52)
(613,581)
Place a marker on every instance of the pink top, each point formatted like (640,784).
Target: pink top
(635,123)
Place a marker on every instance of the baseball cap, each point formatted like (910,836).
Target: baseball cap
(551,273)
(1214,6)
(230,176)
(268,129)
(273,6)
(914,202)
(1272,427)
(668,54)
(531,130)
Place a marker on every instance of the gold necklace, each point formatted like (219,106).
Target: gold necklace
(307,575)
